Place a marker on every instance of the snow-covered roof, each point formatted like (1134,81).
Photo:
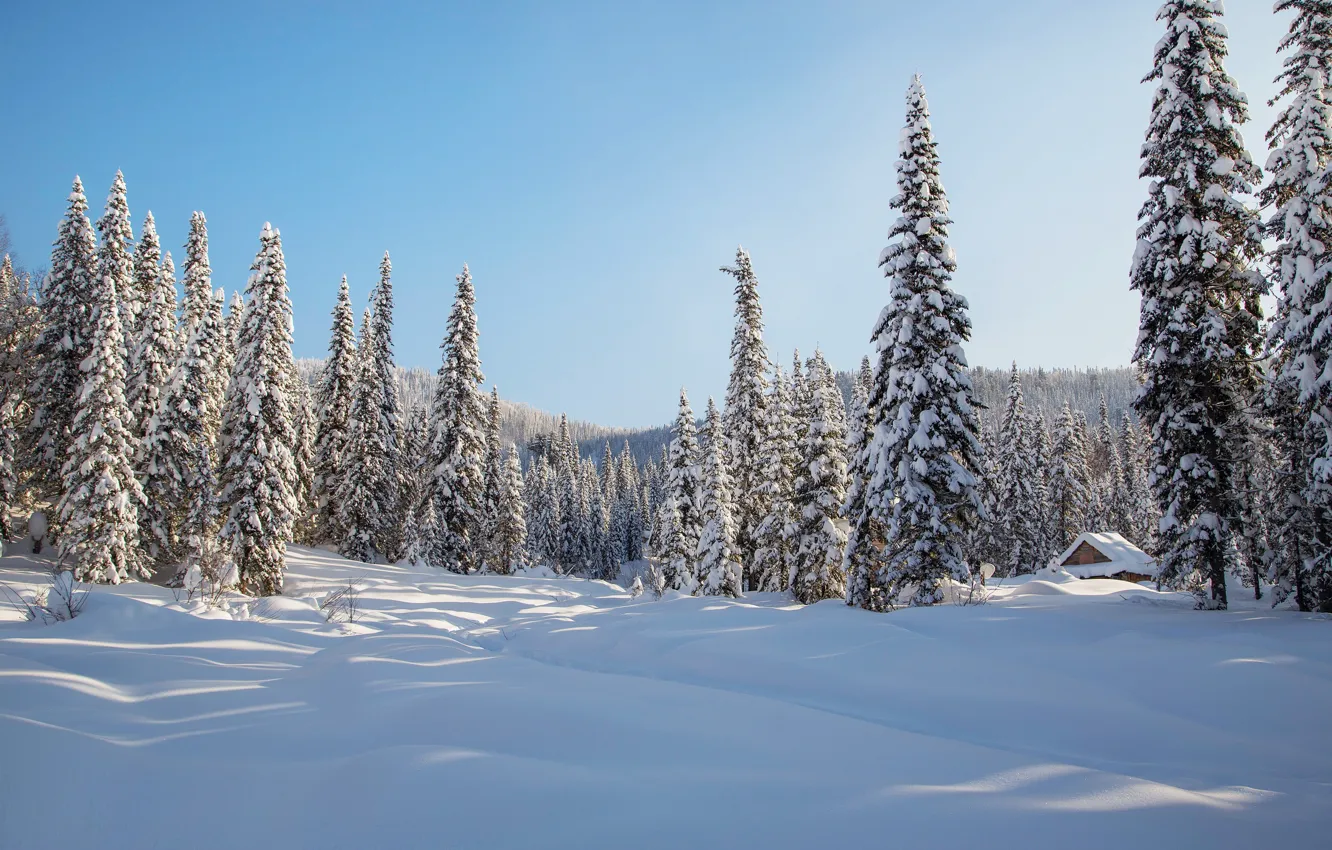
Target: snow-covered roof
(1123,555)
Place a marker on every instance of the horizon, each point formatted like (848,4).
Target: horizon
(597,162)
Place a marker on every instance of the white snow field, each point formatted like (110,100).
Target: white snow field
(480,712)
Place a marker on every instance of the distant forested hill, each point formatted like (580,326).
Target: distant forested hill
(1041,387)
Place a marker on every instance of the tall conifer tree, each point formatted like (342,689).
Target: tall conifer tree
(258,428)
(1198,338)
(924,458)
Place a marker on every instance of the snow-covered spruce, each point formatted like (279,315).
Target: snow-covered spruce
(717,563)
(859,556)
(1067,481)
(302,459)
(370,515)
(155,353)
(65,340)
(196,276)
(457,447)
(257,428)
(358,510)
(924,457)
(115,258)
(818,493)
(1300,400)
(542,514)
(1199,338)
(509,551)
(492,492)
(684,486)
(1016,501)
(333,402)
(145,280)
(98,510)
(746,396)
(771,564)
(169,457)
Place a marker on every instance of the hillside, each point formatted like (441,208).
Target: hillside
(1042,388)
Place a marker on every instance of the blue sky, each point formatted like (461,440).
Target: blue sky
(595,163)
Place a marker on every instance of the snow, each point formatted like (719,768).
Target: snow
(536,711)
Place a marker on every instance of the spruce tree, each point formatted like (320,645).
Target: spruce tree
(1300,392)
(1139,506)
(98,509)
(302,457)
(1199,333)
(771,558)
(1038,449)
(198,528)
(67,330)
(333,402)
(858,561)
(457,448)
(543,514)
(257,428)
(1068,481)
(818,493)
(155,353)
(360,512)
(924,458)
(384,385)
(197,278)
(168,462)
(746,418)
(1016,498)
(495,481)
(717,561)
(115,257)
(510,541)
(684,486)
(146,265)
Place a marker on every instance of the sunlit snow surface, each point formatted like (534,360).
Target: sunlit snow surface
(540,712)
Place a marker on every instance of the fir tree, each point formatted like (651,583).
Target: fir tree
(146,265)
(115,257)
(457,449)
(302,457)
(154,354)
(1016,498)
(257,428)
(67,300)
(1300,396)
(1068,481)
(924,457)
(197,280)
(382,375)
(1199,329)
(360,513)
(495,480)
(771,559)
(333,402)
(168,460)
(858,561)
(684,486)
(818,493)
(510,541)
(542,516)
(746,418)
(1139,506)
(718,562)
(198,528)
(1038,450)
(99,507)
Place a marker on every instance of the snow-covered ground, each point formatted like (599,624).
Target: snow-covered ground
(530,712)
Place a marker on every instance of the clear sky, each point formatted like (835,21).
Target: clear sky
(595,163)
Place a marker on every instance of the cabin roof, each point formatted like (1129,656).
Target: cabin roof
(1123,556)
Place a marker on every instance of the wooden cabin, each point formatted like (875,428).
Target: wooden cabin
(1104,554)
